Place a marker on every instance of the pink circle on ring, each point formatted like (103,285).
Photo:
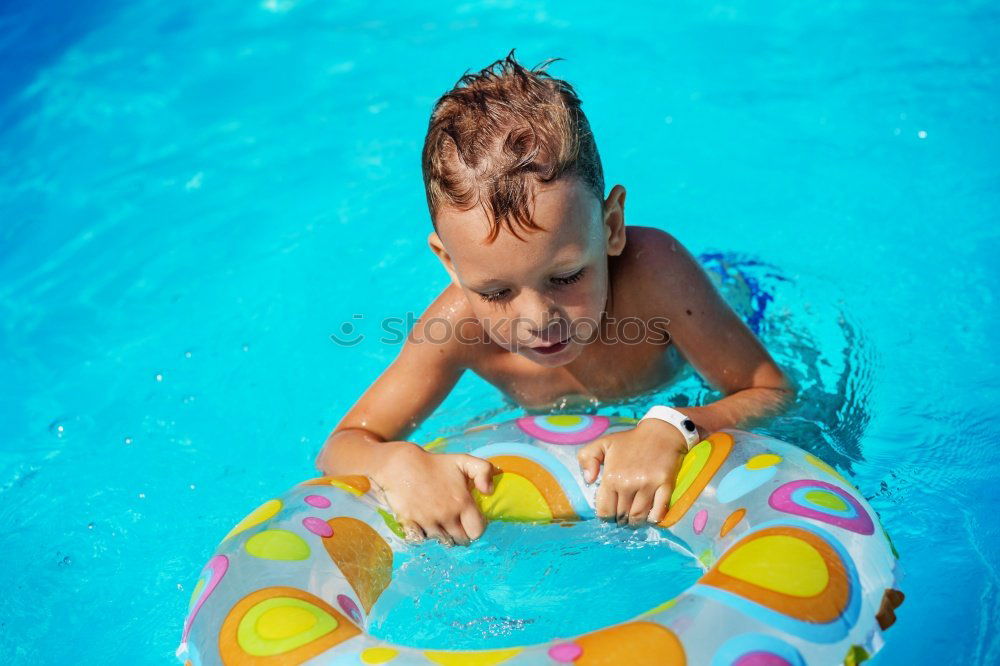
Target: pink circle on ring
(348,606)
(700,519)
(761,658)
(565,653)
(218,566)
(593,430)
(317,526)
(318,501)
(781,499)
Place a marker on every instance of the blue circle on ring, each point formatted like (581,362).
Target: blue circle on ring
(741,480)
(798,496)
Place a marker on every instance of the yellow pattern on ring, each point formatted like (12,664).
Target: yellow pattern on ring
(378,655)
(265,511)
(514,498)
(485,658)
(781,563)
(563,420)
(826,499)
(763,461)
(816,462)
(198,587)
(694,461)
(281,624)
(277,545)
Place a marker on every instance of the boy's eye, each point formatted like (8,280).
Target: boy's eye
(495,296)
(569,279)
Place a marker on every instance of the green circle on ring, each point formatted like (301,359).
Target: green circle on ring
(826,499)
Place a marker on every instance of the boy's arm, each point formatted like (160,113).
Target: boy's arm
(720,346)
(429,493)
(640,465)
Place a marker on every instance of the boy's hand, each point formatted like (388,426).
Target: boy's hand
(430,492)
(640,467)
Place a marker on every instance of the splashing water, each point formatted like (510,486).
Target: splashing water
(521,584)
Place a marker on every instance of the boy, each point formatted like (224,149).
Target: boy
(552,299)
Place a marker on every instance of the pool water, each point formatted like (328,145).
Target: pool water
(195,196)
(524,584)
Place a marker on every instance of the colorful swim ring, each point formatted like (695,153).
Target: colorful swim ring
(797,568)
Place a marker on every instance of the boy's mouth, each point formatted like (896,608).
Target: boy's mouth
(553,348)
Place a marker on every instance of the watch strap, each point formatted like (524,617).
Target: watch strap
(684,425)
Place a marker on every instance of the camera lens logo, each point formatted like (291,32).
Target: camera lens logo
(349,334)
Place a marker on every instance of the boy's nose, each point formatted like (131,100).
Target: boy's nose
(541,316)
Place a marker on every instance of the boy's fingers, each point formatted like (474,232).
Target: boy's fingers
(480,471)
(661,500)
(437,531)
(639,510)
(590,458)
(457,532)
(473,522)
(606,502)
(624,506)
(412,531)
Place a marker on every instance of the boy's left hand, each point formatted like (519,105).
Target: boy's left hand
(640,467)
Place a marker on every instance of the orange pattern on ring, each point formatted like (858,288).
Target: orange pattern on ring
(232,654)
(359,483)
(633,643)
(822,608)
(722,444)
(731,521)
(542,479)
(362,555)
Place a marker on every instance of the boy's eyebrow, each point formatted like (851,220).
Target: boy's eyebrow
(488,284)
(569,265)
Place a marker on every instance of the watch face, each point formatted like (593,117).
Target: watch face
(688,425)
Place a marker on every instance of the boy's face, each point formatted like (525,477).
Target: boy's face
(544,295)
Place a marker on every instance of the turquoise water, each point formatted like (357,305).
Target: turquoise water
(195,196)
(527,584)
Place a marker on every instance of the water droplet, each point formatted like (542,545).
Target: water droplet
(128,441)
(246,347)
(159,377)
(187,354)
(90,526)
(191,486)
(142,495)
(922,134)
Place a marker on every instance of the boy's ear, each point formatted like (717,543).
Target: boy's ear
(614,221)
(437,247)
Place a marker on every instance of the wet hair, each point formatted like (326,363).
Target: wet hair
(498,131)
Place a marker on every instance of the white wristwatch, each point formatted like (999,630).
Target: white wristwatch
(677,420)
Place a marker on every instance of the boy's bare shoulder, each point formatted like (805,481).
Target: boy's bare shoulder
(450,326)
(650,248)
(658,268)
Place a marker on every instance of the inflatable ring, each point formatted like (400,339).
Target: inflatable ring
(797,568)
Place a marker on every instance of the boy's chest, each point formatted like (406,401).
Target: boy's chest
(605,374)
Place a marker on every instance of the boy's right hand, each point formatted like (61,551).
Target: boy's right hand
(430,493)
